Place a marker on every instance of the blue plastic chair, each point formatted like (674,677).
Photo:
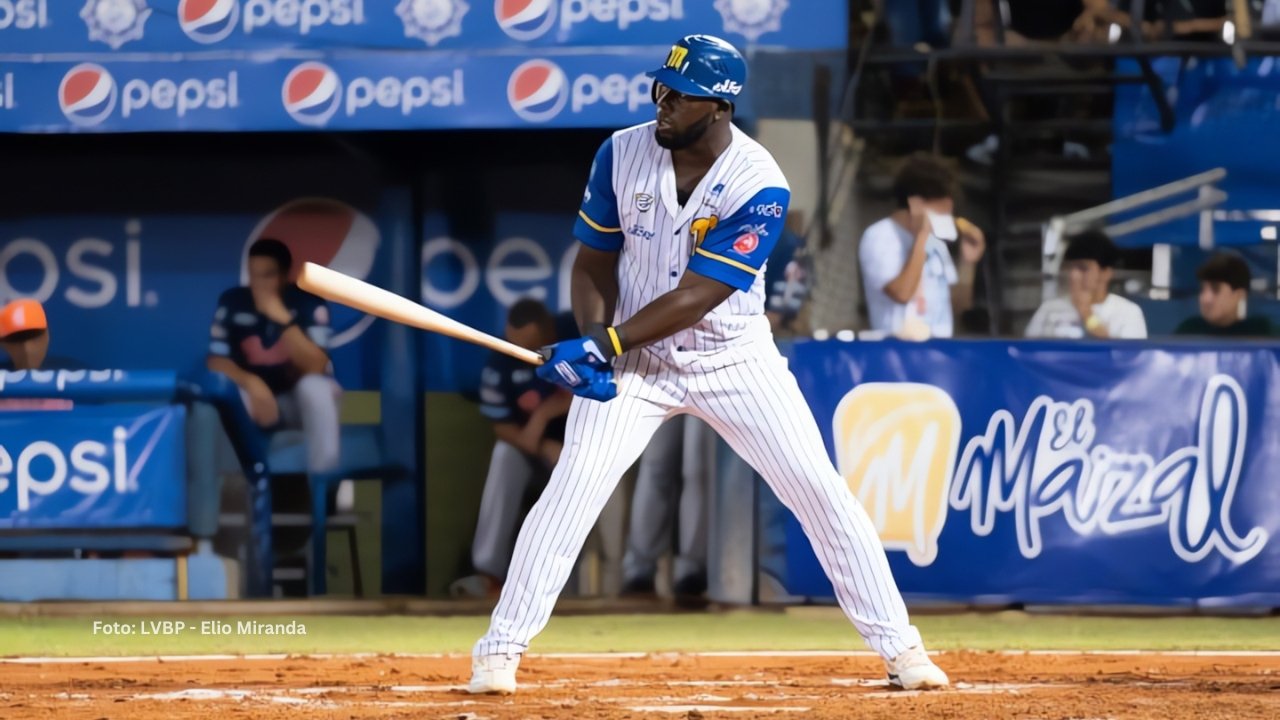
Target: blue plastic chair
(362,455)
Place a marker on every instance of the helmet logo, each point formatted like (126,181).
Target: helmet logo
(677,56)
(727,86)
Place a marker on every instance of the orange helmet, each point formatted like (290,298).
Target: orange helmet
(22,316)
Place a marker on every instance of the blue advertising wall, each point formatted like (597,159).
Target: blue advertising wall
(490,239)
(1043,472)
(180,65)
(477,279)
(114,466)
(137,287)
(184,26)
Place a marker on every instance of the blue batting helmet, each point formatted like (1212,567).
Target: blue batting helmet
(703,66)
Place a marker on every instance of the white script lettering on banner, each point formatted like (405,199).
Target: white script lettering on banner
(1050,464)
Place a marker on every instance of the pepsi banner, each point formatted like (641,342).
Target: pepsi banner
(97,466)
(437,91)
(401,91)
(89,386)
(270,65)
(188,26)
(139,291)
(1044,472)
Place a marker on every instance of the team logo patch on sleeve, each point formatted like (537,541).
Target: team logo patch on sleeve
(746,243)
(749,239)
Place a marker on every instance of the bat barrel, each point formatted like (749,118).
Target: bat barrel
(346,290)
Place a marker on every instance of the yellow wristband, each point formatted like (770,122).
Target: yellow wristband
(1093,323)
(613,338)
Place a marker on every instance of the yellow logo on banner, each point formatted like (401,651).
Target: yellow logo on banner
(896,446)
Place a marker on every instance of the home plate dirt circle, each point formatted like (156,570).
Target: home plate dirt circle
(636,686)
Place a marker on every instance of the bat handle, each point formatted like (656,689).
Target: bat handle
(545,353)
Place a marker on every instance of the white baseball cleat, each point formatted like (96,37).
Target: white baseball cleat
(493,674)
(913,670)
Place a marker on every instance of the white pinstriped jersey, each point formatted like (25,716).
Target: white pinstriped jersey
(725,230)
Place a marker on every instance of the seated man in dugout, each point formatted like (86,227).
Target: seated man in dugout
(24,339)
(271,339)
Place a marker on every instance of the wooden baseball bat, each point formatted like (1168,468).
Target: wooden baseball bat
(344,289)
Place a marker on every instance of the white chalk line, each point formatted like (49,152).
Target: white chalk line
(835,654)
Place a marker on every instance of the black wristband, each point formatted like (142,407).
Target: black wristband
(607,339)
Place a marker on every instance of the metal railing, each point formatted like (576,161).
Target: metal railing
(1207,197)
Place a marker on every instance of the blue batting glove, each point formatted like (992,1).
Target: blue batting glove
(569,363)
(601,388)
(580,366)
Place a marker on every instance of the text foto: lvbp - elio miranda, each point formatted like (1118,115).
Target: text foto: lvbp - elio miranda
(203,627)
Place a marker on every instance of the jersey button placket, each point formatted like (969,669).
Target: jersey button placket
(675,272)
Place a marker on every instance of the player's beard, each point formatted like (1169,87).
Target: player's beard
(691,134)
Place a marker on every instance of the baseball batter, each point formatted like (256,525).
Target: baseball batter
(677,220)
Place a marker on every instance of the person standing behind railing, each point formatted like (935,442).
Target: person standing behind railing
(914,287)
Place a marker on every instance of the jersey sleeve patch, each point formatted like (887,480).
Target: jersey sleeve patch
(735,249)
(597,225)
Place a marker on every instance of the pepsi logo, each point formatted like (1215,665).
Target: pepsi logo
(746,243)
(538,90)
(87,94)
(326,232)
(208,21)
(312,93)
(525,19)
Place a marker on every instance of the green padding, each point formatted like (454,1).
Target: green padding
(458,444)
(459,441)
(359,408)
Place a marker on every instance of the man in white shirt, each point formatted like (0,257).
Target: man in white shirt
(1089,309)
(913,286)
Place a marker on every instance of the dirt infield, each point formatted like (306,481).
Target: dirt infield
(988,685)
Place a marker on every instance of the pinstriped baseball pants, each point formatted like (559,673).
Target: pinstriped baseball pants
(747,394)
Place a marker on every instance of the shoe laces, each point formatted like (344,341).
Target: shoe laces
(912,657)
